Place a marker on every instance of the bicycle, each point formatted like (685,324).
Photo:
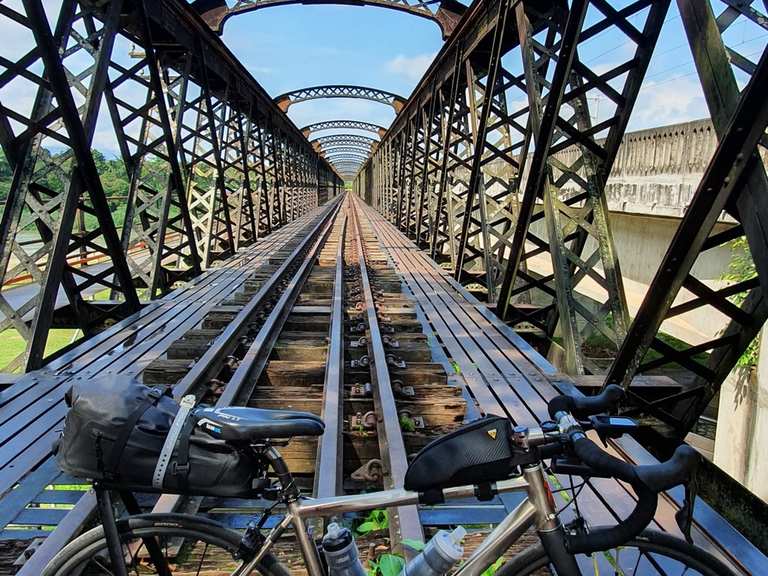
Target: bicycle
(168,544)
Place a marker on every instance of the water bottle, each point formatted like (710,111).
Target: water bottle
(340,552)
(440,554)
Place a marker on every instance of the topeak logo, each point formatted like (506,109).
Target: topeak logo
(492,433)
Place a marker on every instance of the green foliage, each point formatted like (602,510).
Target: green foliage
(491,570)
(417,545)
(407,423)
(386,565)
(740,268)
(376,521)
(113,176)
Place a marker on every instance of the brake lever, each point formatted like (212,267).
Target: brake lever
(684,516)
(574,467)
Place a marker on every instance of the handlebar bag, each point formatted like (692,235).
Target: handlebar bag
(116,428)
(475,453)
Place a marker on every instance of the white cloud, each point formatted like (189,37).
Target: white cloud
(410,67)
(257,71)
(668,102)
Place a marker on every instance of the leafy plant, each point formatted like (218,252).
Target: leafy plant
(386,565)
(407,423)
(491,570)
(376,521)
(741,268)
(417,545)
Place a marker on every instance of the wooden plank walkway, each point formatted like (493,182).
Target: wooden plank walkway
(32,409)
(505,375)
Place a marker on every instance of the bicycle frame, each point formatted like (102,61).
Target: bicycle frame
(535,510)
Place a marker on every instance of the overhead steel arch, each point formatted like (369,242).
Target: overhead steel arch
(350,149)
(445,13)
(339,124)
(346,156)
(343,140)
(285,101)
(346,164)
(346,150)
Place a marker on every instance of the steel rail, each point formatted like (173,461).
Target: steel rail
(209,364)
(404,523)
(243,381)
(329,469)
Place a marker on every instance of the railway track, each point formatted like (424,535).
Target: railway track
(320,324)
(337,314)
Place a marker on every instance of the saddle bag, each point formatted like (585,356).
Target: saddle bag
(476,453)
(115,431)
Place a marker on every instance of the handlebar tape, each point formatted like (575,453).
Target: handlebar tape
(647,481)
(584,406)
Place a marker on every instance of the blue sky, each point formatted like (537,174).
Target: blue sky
(289,47)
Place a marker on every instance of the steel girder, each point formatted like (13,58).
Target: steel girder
(445,13)
(478,182)
(343,124)
(735,182)
(285,101)
(201,144)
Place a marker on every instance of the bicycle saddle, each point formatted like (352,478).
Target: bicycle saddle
(242,424)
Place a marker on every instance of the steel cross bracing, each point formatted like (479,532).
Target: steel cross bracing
(735,182)
(212,163)
(445,13)
(455,157)
(285,101)
(480,184)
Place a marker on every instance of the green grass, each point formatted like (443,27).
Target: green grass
(12,344)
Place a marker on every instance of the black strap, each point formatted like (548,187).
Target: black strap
(115,456)
(180,467)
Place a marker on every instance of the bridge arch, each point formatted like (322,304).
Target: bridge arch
(346,149)
(447,14)
(343,140)
(309,129)
(285,101)
(346,156)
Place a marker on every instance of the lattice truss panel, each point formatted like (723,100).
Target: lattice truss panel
(734,81)
(200,156)
(498,165)
(475,169)
(56,211)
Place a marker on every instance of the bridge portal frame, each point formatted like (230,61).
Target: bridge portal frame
(285,101)
(446,16)
(342,125)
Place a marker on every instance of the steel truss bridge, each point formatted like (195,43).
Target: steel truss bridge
(239,269)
